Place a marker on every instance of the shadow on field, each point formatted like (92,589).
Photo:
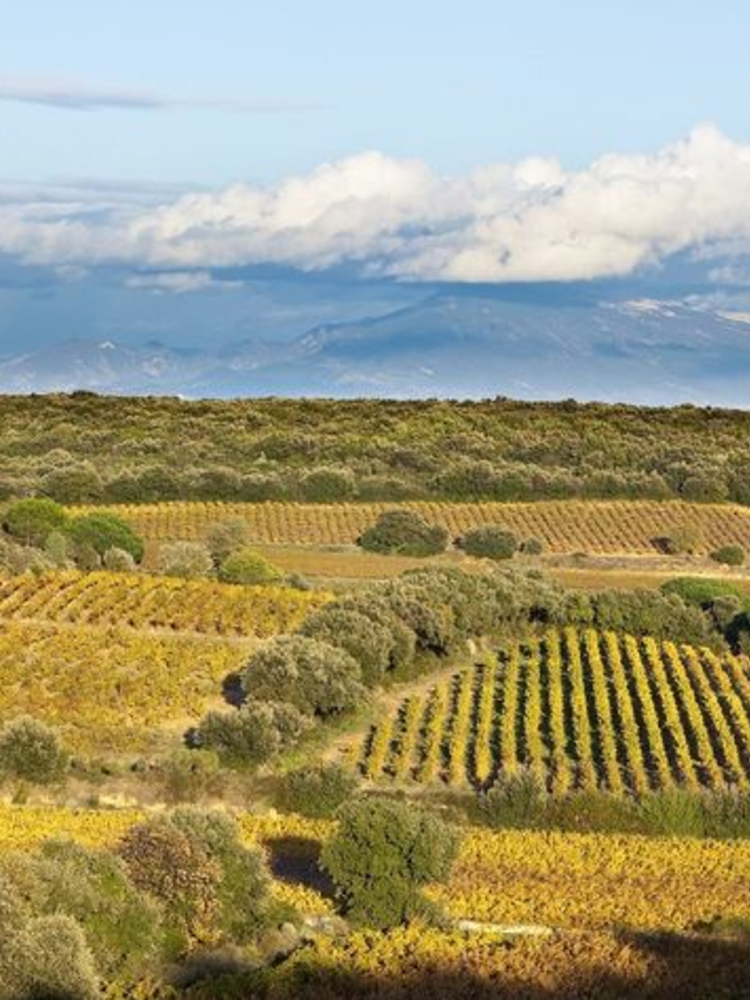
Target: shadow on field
(651,969)
(295,859)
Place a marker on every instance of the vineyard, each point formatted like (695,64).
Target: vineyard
(592,881)
(581,710)
(140,601)
(563,526)
(107,689)
(117,661)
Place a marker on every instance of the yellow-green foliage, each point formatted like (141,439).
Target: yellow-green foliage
(110,689)
(140,601)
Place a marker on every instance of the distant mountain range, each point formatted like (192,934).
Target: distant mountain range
(540,343)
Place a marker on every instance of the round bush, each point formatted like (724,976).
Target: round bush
(32,521)
(368,642)
(729,555)
(381,855)
(315,677)
(102,531)
(31,751)
(317,791)
(404,532)
(489,542)
(121,924)
(327,485)
(247,737)
(249,568)
(186,559)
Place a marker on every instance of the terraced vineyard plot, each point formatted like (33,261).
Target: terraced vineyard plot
(147,602)
(109,689)
(582,710)
(563,526)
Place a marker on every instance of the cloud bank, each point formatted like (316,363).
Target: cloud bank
(527,221)
(73,95)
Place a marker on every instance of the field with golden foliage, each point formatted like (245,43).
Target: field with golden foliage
(563,526)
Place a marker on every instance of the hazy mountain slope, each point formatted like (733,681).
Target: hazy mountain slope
(529,343)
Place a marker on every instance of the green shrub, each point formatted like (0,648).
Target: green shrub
(57,549)
(515,801)
(186,775)
(41,958)
(593,812)
(102,531)
(425,611)
(33,521)
(489,542)
(375,607)
(247,737)
(317,791)
(729,555)
(318,679)
(673,813)
(31,751)
(122,926)
(227,536)
(326,485)
(663,615)
(406,533)
(381,855)
(702,591)
(369,642)
(186,559)
(249,568)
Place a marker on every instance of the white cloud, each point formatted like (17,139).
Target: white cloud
(526,221)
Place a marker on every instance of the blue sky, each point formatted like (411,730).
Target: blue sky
(455,84)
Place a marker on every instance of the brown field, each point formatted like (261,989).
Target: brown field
(564,526)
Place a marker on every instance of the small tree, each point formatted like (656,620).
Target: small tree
(381,855)
(102,531)
(489,542)
(186,559)
(32,521)
(318,679)
(404,532)
(248,568)
(227,536)
(317,791)
(31,751)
